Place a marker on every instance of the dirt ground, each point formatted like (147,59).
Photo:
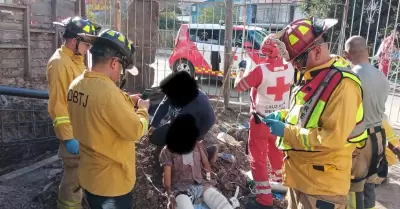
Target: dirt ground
(387,196)
(38,189)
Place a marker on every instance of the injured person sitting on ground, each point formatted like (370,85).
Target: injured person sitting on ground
(187,176)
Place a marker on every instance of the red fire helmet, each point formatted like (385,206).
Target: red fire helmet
(301,34)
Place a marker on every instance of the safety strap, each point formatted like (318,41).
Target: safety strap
(375,157)
(257,118)
(377,161)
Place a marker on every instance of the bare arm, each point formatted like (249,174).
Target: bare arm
(167,186)
(204,159)
(167,179)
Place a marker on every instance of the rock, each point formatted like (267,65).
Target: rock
(3,101)
(150,194)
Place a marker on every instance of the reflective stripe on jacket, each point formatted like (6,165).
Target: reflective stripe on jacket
(309,104)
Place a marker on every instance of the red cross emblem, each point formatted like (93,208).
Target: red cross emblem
(280,88)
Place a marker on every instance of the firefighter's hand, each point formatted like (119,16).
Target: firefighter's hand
(273,116)
(143,104)
(276,127)
(135,98)
(72,146)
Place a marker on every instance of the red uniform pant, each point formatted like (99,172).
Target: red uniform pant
(262,150)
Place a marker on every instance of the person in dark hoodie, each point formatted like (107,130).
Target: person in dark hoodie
(182,96)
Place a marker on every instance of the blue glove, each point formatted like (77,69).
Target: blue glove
(72,146)
(276,127)
(273,116)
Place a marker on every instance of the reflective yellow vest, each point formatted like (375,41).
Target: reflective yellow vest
(309,104)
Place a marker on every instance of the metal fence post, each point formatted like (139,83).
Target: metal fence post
(227,50)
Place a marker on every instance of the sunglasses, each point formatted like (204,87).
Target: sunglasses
(302,56)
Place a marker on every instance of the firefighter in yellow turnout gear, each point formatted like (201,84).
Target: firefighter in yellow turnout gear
(106,123)
(66,64)
(324,124)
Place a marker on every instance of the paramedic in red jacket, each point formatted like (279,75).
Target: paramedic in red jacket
(270,89)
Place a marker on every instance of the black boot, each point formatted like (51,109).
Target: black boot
(253,204)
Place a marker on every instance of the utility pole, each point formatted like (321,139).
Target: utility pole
(342,35)
(227,51)
(78,8)
(292,10)
(117,15)
(112,14)
(143,29)
(83,8)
